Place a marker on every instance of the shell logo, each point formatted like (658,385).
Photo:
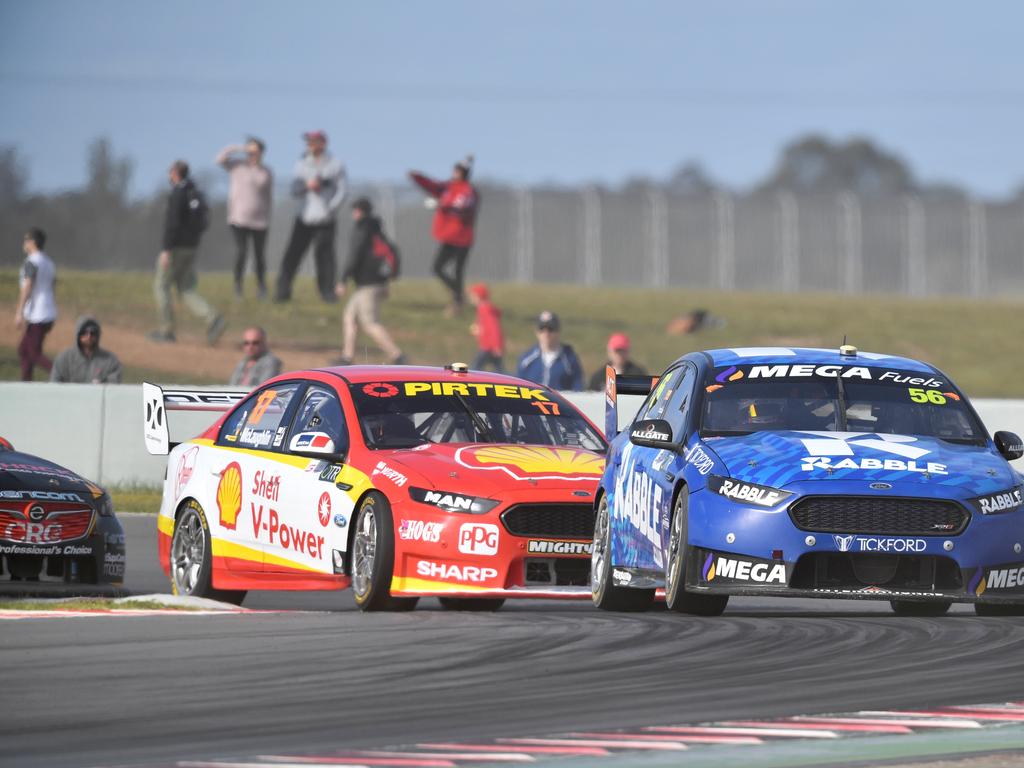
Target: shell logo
(532,462)
(229,495)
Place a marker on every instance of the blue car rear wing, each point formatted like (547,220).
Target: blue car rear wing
(618,384)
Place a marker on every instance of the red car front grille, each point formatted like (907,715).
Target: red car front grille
(57,523)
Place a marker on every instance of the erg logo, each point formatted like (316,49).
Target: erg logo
(478,539)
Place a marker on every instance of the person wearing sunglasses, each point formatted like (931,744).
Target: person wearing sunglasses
(258,363)
(86,362)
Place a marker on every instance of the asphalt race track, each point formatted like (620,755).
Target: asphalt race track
(111,691)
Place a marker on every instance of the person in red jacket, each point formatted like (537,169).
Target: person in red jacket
(490,339)
(456,201)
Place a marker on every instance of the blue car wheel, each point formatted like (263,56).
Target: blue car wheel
(676,567)
(606,595)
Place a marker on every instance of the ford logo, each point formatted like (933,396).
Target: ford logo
(37,513)
(880,486)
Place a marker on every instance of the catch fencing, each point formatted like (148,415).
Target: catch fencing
(910,245)
(721,241)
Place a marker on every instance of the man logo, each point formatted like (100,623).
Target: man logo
(843,543)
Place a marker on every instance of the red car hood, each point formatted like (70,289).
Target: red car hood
(490,468)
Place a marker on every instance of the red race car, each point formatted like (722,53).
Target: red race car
(399,481)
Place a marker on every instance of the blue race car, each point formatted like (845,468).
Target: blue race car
(806,473)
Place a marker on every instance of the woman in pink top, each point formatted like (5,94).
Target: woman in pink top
(249,201)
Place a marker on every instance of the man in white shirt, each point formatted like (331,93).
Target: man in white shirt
(37,306)
(320,187)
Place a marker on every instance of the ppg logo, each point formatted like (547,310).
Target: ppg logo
(478,539)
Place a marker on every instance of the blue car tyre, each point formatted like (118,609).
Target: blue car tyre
(606,594)
(676,597)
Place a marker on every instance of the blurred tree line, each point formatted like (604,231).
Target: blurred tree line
(101,226)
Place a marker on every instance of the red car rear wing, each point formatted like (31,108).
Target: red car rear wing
(156,401)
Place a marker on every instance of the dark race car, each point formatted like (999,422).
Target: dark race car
(55,526)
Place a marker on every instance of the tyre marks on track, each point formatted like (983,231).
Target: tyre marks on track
(648,739)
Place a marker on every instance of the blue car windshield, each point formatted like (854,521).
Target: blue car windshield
(832,398)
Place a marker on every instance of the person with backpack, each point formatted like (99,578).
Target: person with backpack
(373,262)
(187,217)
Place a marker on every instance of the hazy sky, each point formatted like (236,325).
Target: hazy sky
(540,91)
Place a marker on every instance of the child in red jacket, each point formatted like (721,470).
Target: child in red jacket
(487,329)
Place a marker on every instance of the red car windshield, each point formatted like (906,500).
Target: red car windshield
(403,414)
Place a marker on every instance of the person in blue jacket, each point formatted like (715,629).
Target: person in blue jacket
(551,362)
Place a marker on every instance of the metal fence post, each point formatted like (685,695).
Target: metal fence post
(386,203)
(788,242)
(915,267)
(977,249)
(725,241)
(850,243)
(591,236)
(657,237)
(522,245)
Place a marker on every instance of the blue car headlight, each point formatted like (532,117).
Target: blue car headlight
(998,503)
(747,493)
(451,501)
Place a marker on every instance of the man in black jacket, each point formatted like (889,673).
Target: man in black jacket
(370,269)
(184,223)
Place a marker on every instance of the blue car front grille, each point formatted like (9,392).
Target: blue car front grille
(887,516)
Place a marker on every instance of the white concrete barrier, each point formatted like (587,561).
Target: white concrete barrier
(96,430)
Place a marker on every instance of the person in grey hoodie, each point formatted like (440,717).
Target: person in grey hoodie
(320,187)
(86,362)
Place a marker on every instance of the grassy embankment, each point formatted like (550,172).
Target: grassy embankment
(974,341)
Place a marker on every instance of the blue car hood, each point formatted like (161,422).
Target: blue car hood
(780,459)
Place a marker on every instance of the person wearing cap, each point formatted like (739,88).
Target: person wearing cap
(551,362)
(250,195)
(86,362)
(371,271)
(618,358)
(319,185)
(456,202)
(490,339)
(258,363)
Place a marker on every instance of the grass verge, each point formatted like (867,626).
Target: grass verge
(136,498)
(971,340)
(89,604)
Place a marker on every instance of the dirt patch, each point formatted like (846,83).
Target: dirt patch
(182,361)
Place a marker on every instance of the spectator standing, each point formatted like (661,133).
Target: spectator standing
(490,339)
(457,202)
(184,224)
(320,186)
(619,359)
(371,269)
(550,362)
(250,196)
(37,304)
(86,362)
(258,363)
